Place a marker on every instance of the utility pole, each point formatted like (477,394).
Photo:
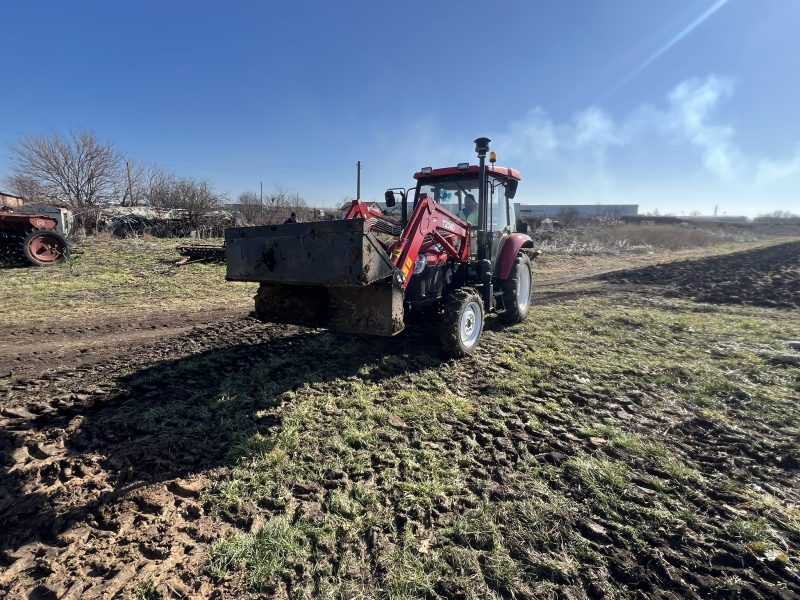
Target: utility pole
(261,195)
(130,187)
(358,180)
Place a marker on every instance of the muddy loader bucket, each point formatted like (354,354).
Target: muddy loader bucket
(331,274)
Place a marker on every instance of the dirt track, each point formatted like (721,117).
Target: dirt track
(98,502)
(111,436)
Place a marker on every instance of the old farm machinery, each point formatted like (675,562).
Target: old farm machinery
(453,259)
(32,238)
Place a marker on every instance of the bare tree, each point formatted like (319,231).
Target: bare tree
(283,202)
(778,215)
(159,185)
(145,184)
(78,171)
(26,187)
(252,209)
(779,218)
(197,198)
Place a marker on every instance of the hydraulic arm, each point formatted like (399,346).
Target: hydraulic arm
(429,219)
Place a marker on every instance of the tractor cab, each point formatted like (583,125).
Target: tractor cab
(458,190)
(456,187)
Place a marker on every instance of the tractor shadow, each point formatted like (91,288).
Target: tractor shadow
(176,417)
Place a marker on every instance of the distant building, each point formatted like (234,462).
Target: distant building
(582,211)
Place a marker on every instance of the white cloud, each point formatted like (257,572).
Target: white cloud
(577,149)
(643,156)
(594,129)
(534,135)
(772,171)
(691,106)
(687,117)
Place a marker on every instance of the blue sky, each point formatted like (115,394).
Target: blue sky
(679,105)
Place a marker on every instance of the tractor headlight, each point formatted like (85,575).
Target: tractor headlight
(419,266)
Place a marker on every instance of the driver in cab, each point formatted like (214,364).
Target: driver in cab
(470,211)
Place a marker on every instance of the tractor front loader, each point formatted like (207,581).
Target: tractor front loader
(455,258)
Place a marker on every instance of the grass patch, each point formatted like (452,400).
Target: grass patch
(272,551)
(118,278)
(611,238)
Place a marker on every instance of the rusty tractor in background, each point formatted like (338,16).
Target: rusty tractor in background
(32,238)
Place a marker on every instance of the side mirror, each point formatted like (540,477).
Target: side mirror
(389,198)
(511,188)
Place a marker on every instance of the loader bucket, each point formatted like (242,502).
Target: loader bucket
(331,274)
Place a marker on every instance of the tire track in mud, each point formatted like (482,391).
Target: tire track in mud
(89,505)
(35,348)
(693,562)
(85,489)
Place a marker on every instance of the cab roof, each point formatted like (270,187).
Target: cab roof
(472,170)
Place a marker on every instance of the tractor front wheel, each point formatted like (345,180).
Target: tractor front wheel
(44,247)
(517,290)
(462,322)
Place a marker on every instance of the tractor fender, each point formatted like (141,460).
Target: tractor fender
(509,251)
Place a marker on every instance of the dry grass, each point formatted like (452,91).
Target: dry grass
(109,277)
(618,238)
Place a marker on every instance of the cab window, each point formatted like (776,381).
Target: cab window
(500,217)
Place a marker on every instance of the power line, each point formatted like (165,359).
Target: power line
(248,168)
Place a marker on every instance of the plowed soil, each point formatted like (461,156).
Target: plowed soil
(581,454)
(764,277)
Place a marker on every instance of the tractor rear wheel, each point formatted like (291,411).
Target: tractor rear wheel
(44,247)
(517,290)
(462,322)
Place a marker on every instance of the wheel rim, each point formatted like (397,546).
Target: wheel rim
(470,326)
(46,248)
(523,287)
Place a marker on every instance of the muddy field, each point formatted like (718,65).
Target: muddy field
(632,439)
(736,278)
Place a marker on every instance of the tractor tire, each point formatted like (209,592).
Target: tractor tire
(517,291)
(43,247)
(462,323)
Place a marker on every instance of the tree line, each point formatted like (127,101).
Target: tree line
(83,173)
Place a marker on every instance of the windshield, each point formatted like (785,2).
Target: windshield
(460,196)
(453,194)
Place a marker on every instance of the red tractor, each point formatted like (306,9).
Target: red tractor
(31,238)
(454,259)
